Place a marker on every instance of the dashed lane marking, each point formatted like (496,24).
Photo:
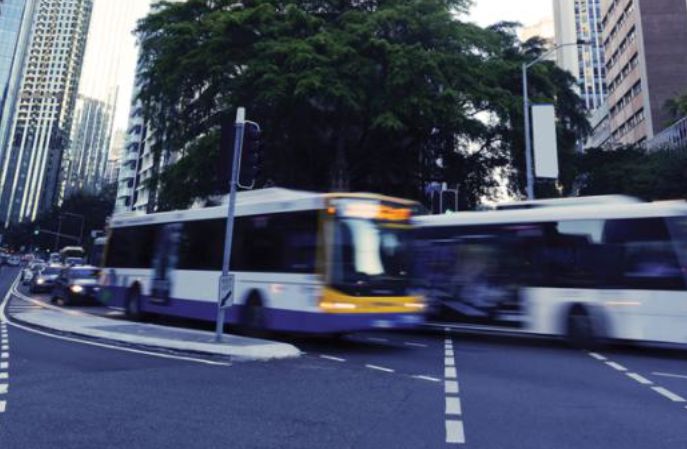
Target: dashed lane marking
(451,386)
(3,388)
(332,358)
(455,433)
(453,406)
(616,366)
(4,376)
(449,361)
(641,379)
(415,345)
(450,372)
(674,376)
(598,356)
(380,368)
(668,394)
(4,365)
(4,355)
(3,406)
(378,340)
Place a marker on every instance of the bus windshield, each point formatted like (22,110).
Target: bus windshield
(370,258)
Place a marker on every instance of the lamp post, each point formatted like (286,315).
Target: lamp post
(526,105)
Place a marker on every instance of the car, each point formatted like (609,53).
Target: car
(30,271)
(14,261)
(45,280)
(76,284)
(71,261)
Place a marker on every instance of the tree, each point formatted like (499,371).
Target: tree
(380,95)
(677,107)
(650,175)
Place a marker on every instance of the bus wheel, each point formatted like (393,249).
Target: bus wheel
(133,305)
(253,317)
(580,329)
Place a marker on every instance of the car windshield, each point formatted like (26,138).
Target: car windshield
(370,255)
(83,273)
(50,271)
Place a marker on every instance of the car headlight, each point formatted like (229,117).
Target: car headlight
(40,281)
(76,288)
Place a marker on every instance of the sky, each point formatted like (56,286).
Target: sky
(527,12)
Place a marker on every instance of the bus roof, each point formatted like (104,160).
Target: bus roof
(548,214)
(272,200)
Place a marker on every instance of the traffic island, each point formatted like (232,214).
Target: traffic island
(152,336)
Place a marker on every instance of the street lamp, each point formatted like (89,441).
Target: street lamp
(526,105)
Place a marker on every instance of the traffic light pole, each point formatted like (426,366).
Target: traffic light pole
(226,286)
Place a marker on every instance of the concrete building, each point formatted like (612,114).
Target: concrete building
(545,29)
(41,121)
(89,146)
(646,46)
(577,20)
(16,17)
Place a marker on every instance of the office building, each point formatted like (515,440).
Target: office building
(580,20)
(646,46)
(41,121)
(16,17)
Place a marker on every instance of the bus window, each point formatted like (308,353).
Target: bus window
(649,257)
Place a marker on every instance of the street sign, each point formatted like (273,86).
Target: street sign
(226,291)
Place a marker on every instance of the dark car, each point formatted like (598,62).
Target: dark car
(45,280)
(76,284)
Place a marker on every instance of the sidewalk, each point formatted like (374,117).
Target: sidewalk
(154,336)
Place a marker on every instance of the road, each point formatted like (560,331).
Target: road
(370,390)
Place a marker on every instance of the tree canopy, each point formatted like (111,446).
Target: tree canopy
(376,95)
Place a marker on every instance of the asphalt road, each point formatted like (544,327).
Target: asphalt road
(372,390)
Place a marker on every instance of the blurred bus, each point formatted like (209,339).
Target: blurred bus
(591,272)
(304,262)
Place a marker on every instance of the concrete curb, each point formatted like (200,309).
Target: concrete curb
(144,335)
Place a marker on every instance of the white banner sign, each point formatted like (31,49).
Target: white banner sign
(544,139)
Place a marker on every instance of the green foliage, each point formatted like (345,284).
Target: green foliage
(359,95)
(94,208)
(677,107)
(656,175)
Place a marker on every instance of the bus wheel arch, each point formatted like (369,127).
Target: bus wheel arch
(584,325)
(132,304)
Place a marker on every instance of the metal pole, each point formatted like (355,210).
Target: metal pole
(229,234)
(528,136)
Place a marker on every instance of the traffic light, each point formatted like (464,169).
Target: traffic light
(251,157)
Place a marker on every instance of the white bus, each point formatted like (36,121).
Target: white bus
(611,270)
(304,262)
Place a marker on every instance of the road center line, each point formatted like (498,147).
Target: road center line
(616,366)
(4,375)
(449,361)
(380,368)
(674,376)
(3,388)
(331,357)
(4,365)
(668,394)
(3,406)
(641,379)
(450,373)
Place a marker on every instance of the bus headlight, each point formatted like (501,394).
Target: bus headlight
(328,305)
(76,289)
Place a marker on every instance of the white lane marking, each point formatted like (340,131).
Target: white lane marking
(448,361)
(3,388)
(449,353)
(4,375)
(3,406)
(455,433)
(415,345)
(641,379)
(674,376)
(598,356)
(4,355)
(451,386)
(378,340)
(380,368)
(4,365)
(428,378)
(668,394)
(450,373)
(616,366)
(3,316)
(331,357)
(4,348)
(453,406)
